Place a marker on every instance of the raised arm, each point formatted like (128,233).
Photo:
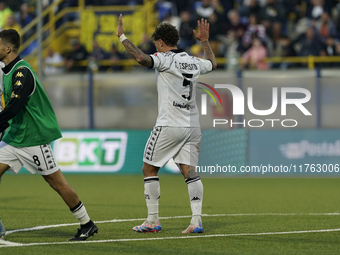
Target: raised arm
(203,37)
(136,53)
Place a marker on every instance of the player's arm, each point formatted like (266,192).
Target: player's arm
(22,87)
(135,52)
(203,37)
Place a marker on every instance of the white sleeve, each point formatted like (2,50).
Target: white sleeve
(161,61)
(205,65)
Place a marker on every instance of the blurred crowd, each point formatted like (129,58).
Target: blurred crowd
(256,29)
(250,30)
(16,15)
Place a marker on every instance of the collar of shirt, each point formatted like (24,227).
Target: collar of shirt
(9,67)
(177,51)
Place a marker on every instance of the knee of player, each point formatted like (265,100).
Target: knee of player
(149,170)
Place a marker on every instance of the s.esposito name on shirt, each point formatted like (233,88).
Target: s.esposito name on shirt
(185,66)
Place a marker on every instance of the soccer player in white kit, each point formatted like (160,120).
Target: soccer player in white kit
(177,132)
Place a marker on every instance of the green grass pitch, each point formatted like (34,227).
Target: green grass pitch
(249,205)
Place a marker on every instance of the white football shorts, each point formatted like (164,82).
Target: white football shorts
(180,143)
(36,159)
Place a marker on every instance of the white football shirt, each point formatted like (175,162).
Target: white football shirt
(176,75)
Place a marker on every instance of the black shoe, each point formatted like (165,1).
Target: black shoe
(84,233)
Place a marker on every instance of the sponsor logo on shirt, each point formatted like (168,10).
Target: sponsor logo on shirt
(183,106)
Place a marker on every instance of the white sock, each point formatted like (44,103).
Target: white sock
(195,189)
(152,194)
(80,213)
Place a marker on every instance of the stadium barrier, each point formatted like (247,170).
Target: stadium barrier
(121,101)
(304,153)
(309,62)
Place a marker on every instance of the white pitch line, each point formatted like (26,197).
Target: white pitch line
(2,241)
(173,217)
(174,237)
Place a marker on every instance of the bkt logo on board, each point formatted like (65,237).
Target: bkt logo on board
(91,151)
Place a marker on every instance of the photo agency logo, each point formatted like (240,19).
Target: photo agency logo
(204,97)
(301,97)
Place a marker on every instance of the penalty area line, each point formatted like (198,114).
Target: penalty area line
(172,238)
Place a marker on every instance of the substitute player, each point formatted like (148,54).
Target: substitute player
(2,105)
(177,133)
(32,126)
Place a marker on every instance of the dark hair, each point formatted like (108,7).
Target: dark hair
(12,37)
(167,32)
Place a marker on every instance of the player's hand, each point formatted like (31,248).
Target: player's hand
(120,25)
(203,33)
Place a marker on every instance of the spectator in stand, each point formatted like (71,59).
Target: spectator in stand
(53,63)
(186,31)
(310,45)
(336,11)
(326,27)
(203,9)
(183,5)
(227,6)
(78,53)
(235,29)
(315,8)
(173,20)
(337,50)
(215,28)
(235,24)
(287,47)
(327,49)
(287,50)
(249,7)
(293,8)
(14,5)
(97,54)
(231,50)
(12,24)
(254,28)
(329,46)
(255,56)
(24,17)
(272,16)
(147,46)
(115,56)
(165,9)
(218,7)
(5,12)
